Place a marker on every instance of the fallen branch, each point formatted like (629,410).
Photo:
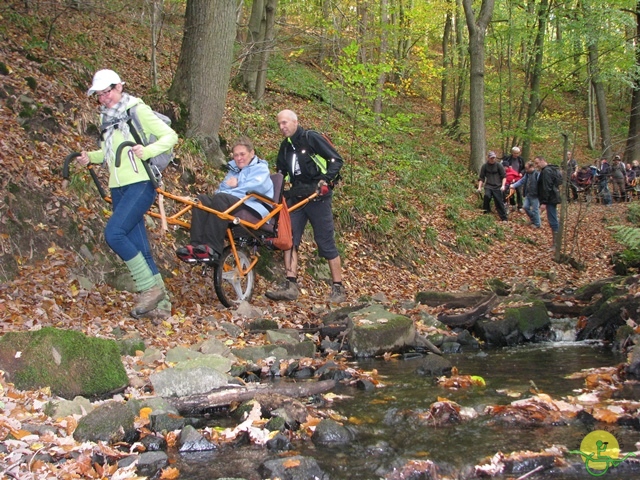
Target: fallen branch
(222,398)
(467,319)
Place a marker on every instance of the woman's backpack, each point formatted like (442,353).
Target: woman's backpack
(159,162)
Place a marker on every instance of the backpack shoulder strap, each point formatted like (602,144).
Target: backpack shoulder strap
(135,127)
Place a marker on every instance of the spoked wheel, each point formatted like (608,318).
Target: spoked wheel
(231,287)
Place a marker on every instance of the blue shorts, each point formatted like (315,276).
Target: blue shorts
(318,212)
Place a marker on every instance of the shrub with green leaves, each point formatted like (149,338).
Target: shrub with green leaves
(627,236)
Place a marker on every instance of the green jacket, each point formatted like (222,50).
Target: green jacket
(129,172)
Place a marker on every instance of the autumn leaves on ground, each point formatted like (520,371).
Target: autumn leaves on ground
(48,289)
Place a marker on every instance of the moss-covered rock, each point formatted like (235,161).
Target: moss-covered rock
(499,287)
(374,330)
(527,321)
(531,319)
(68,362)
(587,292)
(609,317)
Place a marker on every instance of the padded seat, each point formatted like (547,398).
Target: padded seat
(248,216)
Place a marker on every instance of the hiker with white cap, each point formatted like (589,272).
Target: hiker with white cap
(492,181)
(132,192)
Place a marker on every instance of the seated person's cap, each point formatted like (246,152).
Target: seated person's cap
(102,80)
(491,154)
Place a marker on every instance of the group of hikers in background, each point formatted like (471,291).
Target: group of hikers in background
(532,186)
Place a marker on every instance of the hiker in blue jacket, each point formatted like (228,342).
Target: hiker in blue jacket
(247,173)
(529,184)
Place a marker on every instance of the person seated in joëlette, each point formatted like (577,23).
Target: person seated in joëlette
(512,177)
(247,173)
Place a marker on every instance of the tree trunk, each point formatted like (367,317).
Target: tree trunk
(632,150)
(591,120)
(536,74)
(325,20)
(204,67)
(255,39)
(601,100)
(156,17)
(382,58)
(263,66)
(461,71)
(446,67)
(477,29)
(362,9)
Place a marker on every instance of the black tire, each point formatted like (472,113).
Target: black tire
(231,287)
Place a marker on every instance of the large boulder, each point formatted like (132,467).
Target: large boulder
(633,368)
(374,330)
(68,362)
(450,299)
(112,422)
(525,322)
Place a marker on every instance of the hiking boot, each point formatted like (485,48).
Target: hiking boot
(157,315)
(148,300)
(338,293)
(287,290)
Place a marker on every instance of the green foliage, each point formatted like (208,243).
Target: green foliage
(633,213)
(627,236)
(630,256)
(430,236)
(23,22)
(295,77)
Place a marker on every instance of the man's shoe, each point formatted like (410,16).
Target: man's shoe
(147,301)
(186,254)
(205,254)
(287,290)
(338,293)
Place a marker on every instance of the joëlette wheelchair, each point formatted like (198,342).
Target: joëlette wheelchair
(233,275)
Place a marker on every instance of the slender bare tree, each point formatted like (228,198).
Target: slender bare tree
(632,151)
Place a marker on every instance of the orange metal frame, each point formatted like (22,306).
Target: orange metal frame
(177,218)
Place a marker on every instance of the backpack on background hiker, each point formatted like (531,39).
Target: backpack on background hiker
(557,175)
(159,162)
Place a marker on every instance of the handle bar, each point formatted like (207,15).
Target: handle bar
(94,175)
(145,163)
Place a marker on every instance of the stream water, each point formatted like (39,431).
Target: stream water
(385,438)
